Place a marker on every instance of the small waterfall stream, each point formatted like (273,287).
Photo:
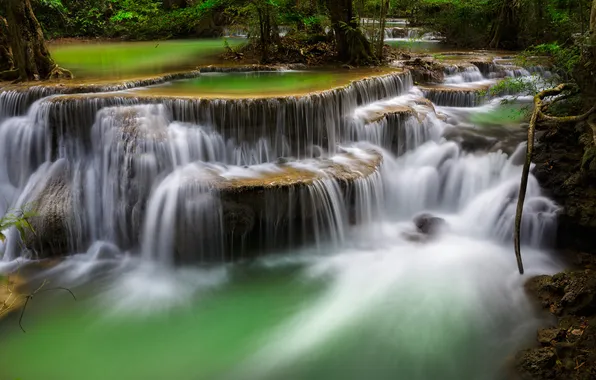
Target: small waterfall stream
(156,199)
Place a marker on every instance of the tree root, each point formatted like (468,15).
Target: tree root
(9,75)
(60,73)
(539,115)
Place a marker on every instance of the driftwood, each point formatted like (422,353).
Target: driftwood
(539,115)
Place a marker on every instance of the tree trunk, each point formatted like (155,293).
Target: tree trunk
(384,9)
(593,24)
(352,45)
(31,56)
(506,27)
(6,60)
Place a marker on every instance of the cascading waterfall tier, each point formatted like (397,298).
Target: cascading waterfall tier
(181,179)
(126,160)
(168,183)
(455,96)
(288,126)
(15,100)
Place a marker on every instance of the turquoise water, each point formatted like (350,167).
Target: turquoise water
(395,311)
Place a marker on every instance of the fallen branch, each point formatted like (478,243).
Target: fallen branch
(538,115)
(35,292)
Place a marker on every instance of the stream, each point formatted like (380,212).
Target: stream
(327,279)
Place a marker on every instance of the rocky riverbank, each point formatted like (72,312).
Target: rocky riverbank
(566,168)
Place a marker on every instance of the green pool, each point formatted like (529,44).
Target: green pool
(260,83)
(125,59)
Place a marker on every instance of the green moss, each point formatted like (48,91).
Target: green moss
(589,159)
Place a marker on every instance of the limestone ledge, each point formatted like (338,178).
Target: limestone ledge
(105,87)
(279,195)
(155,95)
(378,114)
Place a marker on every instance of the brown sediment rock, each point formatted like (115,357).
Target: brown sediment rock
(10,298)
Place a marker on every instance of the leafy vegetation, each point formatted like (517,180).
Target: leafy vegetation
(509,24)
(565,58)
(352,31)
(18,219)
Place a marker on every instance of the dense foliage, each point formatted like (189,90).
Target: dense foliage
(303,30)
(501,23)
(469,23)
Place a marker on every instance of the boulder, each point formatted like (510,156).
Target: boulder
(428,224)
(53,209)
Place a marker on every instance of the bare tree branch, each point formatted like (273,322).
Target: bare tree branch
(538,115)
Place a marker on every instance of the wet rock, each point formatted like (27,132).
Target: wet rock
(569,293)
(297,66)
(536,363)
(563,161)
(454,96)
(425,71)
(239,219)
(571,345)
(53,210)
(429,224)
(485,66)
(547,336)
(469,140)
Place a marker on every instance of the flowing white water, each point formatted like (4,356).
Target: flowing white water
(391,300)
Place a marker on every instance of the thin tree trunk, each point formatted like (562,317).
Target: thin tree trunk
(384,8)
(593,24)
(31,56)
(496,40)
(6,60)
(506,30)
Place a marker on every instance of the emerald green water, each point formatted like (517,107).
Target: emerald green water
(124,59)
(437,311)
(203,339)
(256,84)
(504,114)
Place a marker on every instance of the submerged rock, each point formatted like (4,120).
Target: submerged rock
(429,224)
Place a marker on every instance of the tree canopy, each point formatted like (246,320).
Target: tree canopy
(551,26)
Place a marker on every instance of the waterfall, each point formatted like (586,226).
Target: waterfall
(179,180)
(453,97)
(464,75)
